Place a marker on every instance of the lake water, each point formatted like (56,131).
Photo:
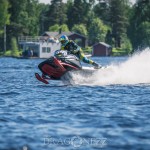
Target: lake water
(109,110)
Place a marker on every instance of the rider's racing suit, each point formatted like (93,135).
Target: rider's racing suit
(73,48)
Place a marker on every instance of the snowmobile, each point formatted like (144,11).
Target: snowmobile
(59,65)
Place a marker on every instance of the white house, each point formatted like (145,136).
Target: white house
(42,47)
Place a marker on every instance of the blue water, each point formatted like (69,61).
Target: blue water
(45,117)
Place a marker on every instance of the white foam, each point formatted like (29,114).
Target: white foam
(135,70)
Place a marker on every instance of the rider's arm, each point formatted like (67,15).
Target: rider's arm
(76,48)
(62,48)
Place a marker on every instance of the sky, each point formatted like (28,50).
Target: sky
(48,1)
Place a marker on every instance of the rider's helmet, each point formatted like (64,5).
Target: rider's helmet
(63,40)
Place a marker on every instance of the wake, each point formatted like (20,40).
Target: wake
(135,70)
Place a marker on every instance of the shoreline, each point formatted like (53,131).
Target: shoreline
(19,57)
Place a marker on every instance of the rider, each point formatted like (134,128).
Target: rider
(73,48)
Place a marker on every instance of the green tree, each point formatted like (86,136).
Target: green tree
(19,18)
(108,38)
(57,28)
(102,10)
(143,35)
(14,47)
(118,20)
(126,45)
(4,19)
(54,28)
(24,17)
(97,31)
(43,17)
(139,24)
(78,12)
(69,6)
(56,13)
(33,12)
(81,29)
(4,15)
(75,13)
(64,28)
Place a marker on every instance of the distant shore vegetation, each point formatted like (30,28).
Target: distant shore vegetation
(124,26)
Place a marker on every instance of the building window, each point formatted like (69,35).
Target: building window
(48,50)
(43,49)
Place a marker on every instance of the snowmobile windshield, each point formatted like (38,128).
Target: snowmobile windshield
(67,58)
(60,53)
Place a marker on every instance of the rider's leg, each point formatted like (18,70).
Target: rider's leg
(86,60)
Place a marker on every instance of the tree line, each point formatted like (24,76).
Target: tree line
(116,22)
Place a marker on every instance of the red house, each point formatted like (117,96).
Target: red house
(101,49)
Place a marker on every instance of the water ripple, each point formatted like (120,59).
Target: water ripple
(32,114)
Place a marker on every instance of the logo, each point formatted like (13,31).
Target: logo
(76,141)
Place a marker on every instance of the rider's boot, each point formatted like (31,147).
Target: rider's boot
(96,66)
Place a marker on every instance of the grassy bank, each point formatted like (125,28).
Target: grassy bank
(10,53)
(115,51)
(120,52)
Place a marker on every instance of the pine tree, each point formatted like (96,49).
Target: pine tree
(81,29)
(24,17)
(4,15)
(56,13)
(75,13)
(4,20)
(78,12)
(97,31)
(102,9)
(14,47)
(119,20)
(140,24)
(43,18)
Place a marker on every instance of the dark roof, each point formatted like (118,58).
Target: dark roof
(57,35)
(102,43)
(50,33)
